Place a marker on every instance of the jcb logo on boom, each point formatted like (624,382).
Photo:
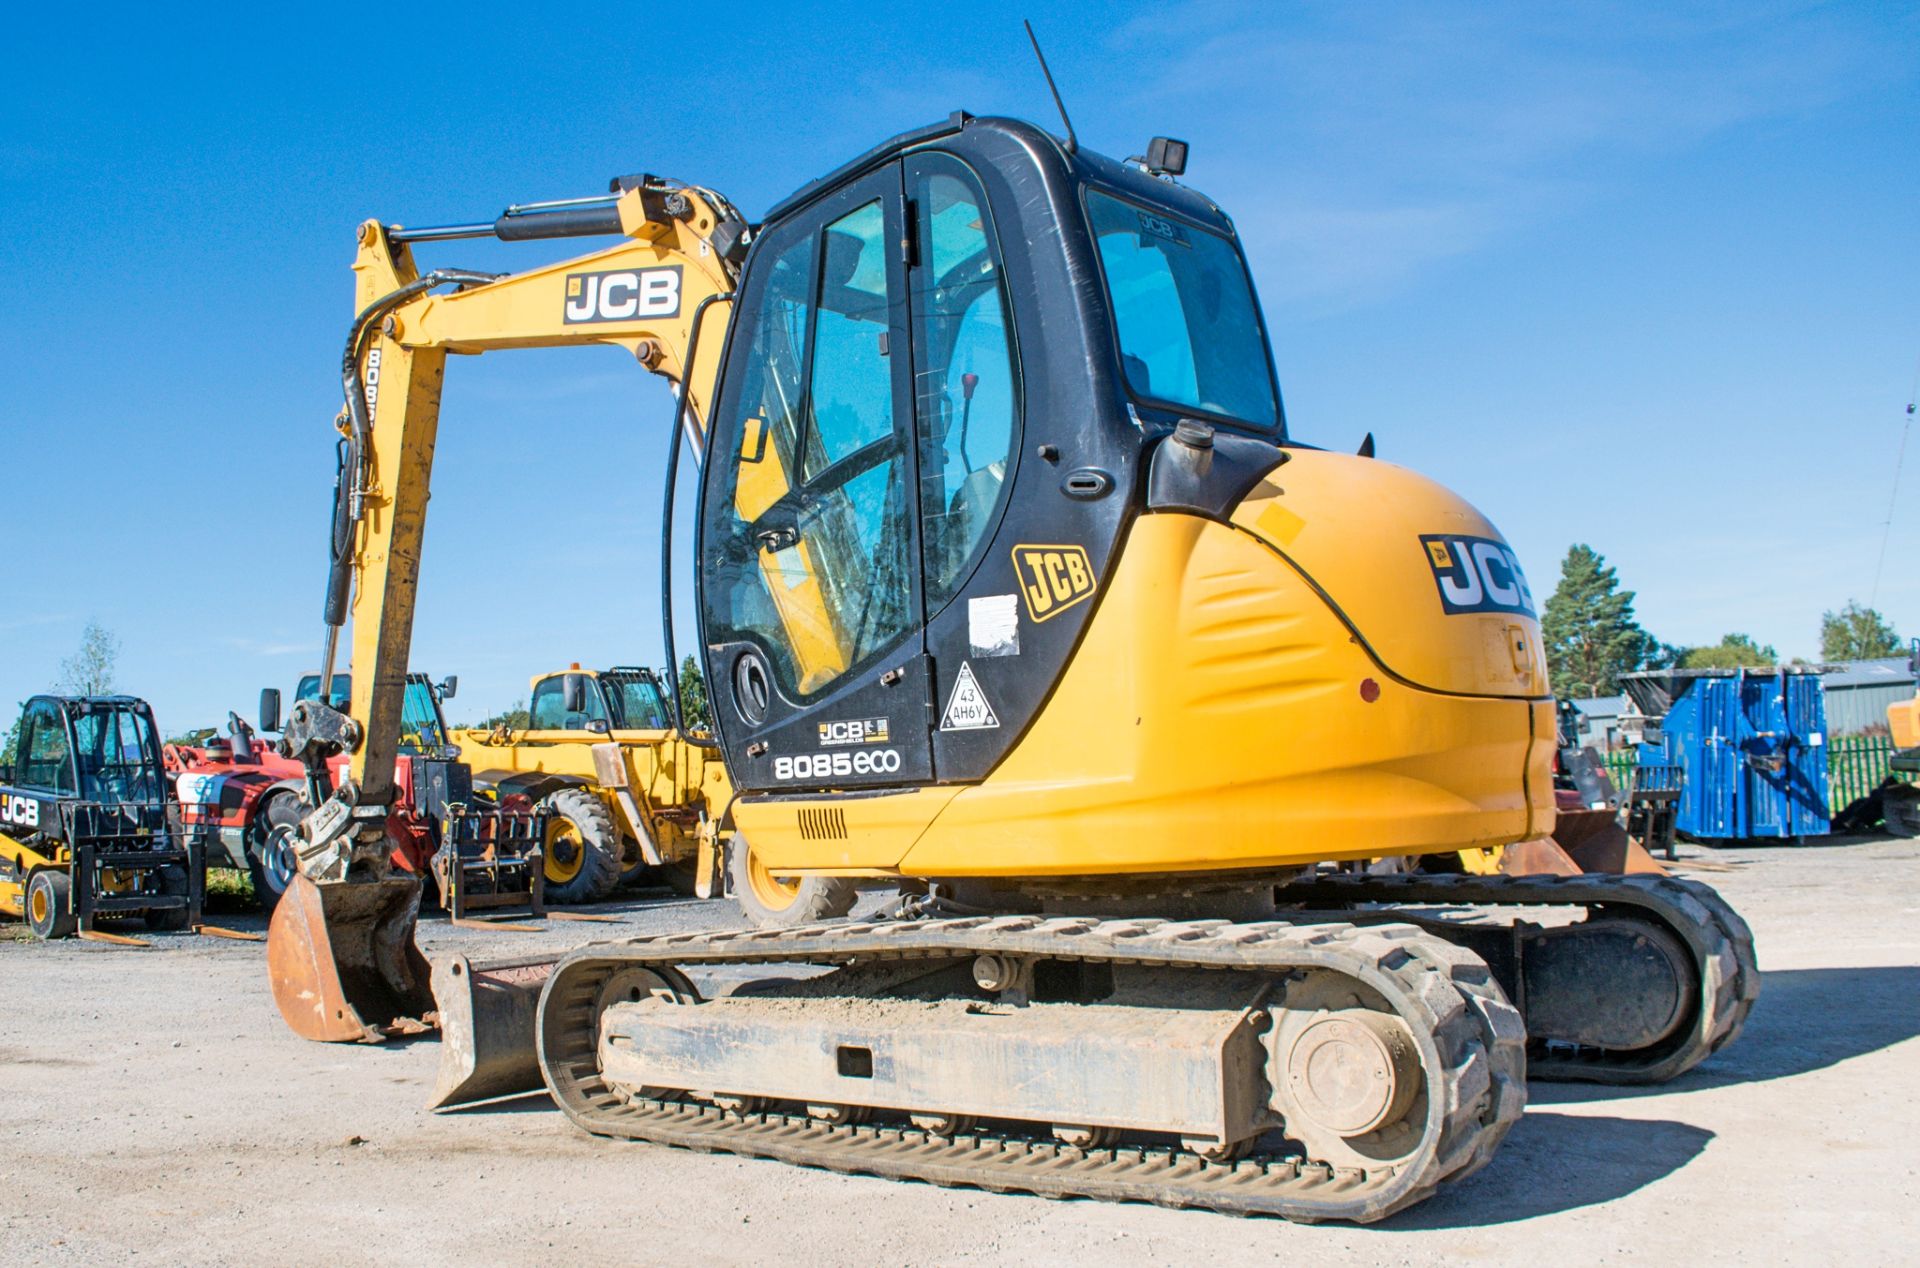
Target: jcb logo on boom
(1052,578)
(623,295)
(1477,574)
(22,812)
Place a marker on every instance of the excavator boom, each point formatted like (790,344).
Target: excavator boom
(341,946)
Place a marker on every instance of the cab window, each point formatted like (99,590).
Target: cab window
(550,712)
(965,371)
(420,731)
(636,704)
(117,756)
(809,529)
(45,758)
(1190,334)
(339,691)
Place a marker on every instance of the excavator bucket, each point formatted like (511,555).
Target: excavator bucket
(487,1010)
(342,960)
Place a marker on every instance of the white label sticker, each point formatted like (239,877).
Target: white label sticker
(993,625)
(967,707)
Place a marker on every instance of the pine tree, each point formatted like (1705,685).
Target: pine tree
(693,693)
(1590,631)
(1856,633)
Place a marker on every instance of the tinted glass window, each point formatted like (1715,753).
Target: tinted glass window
(1189,332)
(117,756)
(43,749)
(419,719)
(965,372)
(340,691)
(550,712)
(807,527)
(636,703)
(852,389)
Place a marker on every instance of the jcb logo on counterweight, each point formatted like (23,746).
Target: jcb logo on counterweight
(623,295)
(1052,578)
(1477,574)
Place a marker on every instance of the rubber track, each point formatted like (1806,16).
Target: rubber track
(1721,944)
(1471,1039)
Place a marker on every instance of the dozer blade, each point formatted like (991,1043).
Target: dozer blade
(1596,842)
(1538,857)
(343,962)
(487,1012)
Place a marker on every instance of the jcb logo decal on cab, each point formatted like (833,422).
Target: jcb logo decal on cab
(1477,574)
(1052,578)
(623,295)
(23,812)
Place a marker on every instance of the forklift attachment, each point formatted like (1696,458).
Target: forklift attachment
(238,935)
(342,959)
(487,1010)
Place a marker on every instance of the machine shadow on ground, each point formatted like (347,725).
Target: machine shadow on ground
(1559,1162)
(1804,1020)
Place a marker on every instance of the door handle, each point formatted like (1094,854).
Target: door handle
(774,540)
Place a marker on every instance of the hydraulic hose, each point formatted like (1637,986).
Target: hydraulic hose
(349,489)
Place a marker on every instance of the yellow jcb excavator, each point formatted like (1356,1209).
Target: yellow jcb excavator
(1015,589)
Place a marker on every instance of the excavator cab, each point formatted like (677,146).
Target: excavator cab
(950,364)
(997,423)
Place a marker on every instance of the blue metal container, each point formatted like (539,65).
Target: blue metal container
(1753,745)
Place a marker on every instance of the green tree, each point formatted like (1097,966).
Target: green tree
(516,718)
(1856,632)
(693,693)
(89,671)
(1589,628)
(1733,651)
(12,741)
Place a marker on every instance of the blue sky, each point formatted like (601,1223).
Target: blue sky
(1644,277)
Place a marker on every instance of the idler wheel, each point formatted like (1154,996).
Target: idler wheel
(1353,1072)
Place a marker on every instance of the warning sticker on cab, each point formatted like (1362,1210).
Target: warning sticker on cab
(967,707)
(1052,578)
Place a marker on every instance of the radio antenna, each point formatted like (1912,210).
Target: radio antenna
(1073,143)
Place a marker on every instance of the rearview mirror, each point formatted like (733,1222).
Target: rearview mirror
(270,708)
(574,693)
(448,686)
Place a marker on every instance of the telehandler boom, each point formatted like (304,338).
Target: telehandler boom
(1013,586)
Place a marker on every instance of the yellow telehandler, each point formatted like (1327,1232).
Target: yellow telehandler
(1015,589)
(627,795)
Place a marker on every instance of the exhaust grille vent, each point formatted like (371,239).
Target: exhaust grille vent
(823,825)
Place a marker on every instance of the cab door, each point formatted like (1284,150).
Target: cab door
(810,586)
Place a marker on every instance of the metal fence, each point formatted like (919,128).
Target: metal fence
(1856,765)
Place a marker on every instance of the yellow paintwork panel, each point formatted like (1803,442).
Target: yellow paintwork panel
(1903,720)
(1213,718)
(878,829)
(1382,576)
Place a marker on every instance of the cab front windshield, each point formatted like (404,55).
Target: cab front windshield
(420,729)
(1190,334)
(116,755)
